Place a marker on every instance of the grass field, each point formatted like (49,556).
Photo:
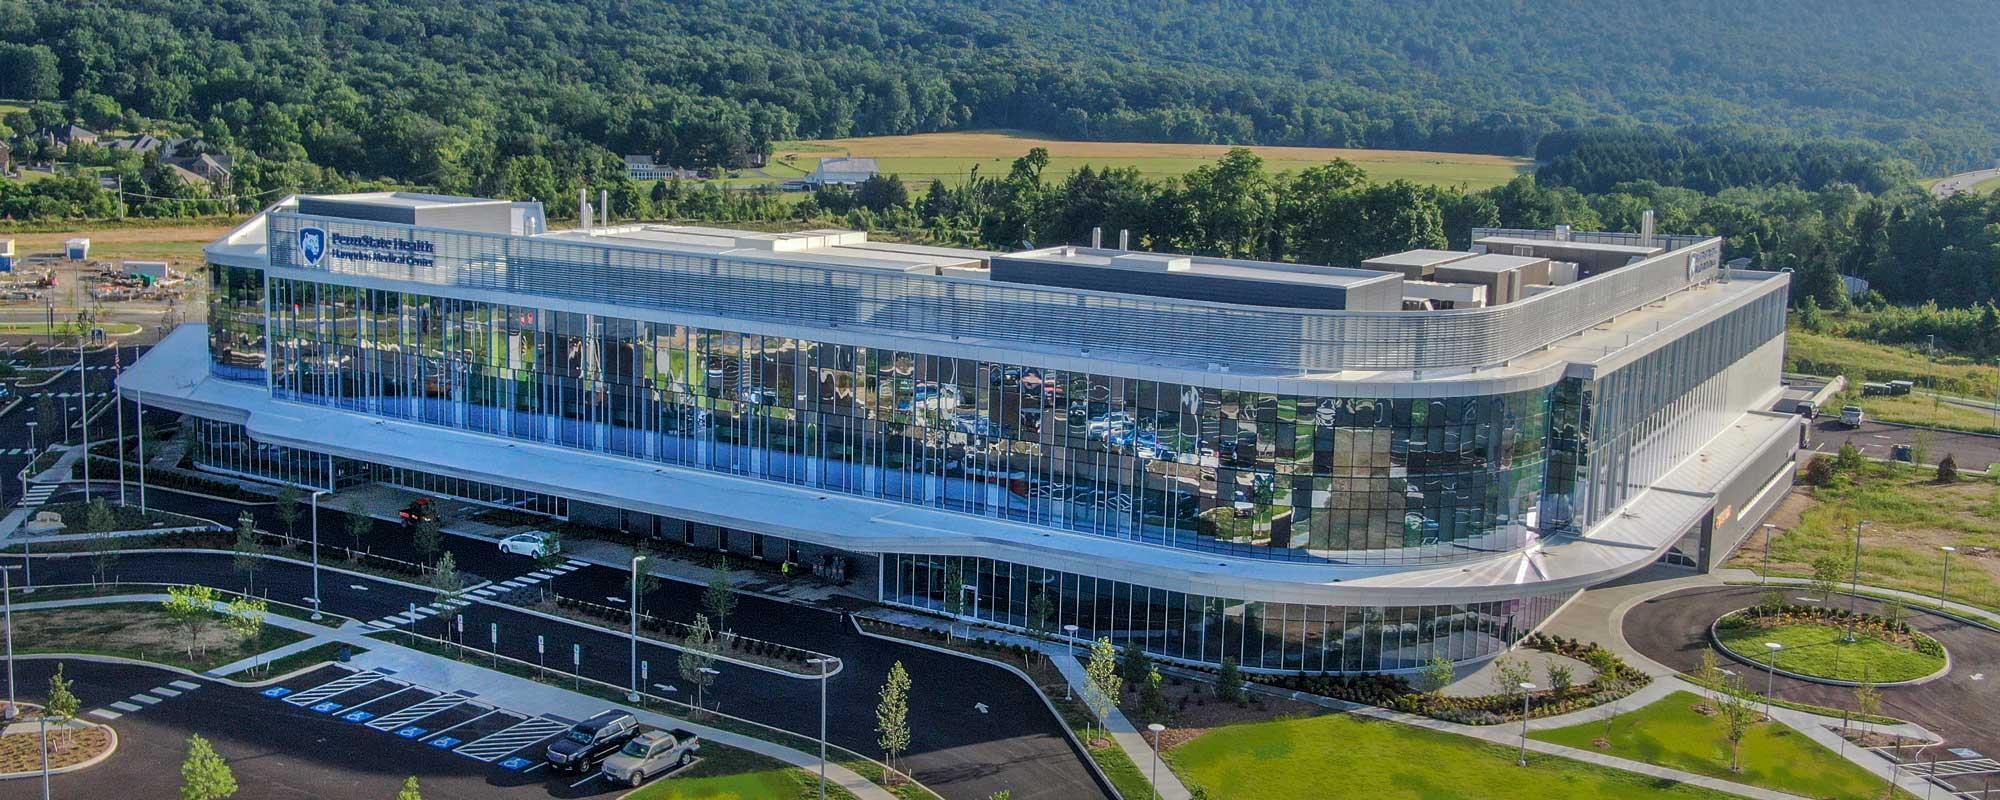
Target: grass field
(1338,755)
(951,157)
(1909,517)
(63,328)
(180,244)
(1823,651)
(136,630)
(1669,733)
(726,773)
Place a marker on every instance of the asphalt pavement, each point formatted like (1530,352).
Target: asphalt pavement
(958,750)
(1672,629)
(1875,439)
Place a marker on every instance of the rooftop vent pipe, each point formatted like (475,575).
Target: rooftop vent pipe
(1096,238)
(604,206)
(1646,228)
(1124,239)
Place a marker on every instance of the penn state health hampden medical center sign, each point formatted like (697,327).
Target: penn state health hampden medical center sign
(316,245)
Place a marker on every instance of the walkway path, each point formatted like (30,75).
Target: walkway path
(505,690)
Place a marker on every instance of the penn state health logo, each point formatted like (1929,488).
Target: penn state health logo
(312,244)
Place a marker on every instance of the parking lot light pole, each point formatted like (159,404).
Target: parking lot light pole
(1527,691)
(315,514)
(1768,530)
(1854,584)
(1069,648)
(1771,677)
(1944,588)
(823,662)
(633,695)
(7,586)
(1156,728)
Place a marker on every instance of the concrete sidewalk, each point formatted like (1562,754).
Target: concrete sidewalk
(515,693)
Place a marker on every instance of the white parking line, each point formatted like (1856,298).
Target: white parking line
(586,779)
(489,712)
(499,743)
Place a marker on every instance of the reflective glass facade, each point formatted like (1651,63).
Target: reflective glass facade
(236,323)
(1347,479)
(1272,636)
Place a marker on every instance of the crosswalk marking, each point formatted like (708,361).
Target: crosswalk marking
(380,624)
(401,717)
(499,743)
(103,714)
(144,698)
(185,685)
(166,692)
(125,707)
(38,495)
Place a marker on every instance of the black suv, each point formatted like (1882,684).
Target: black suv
(591,741)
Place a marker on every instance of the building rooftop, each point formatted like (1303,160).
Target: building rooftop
(823,246)
(1267,271)
(394,199)
(1418,258)
(1494,262)
(1569,244)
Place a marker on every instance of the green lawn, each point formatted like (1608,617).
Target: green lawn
(1669,733)
(1821,651)
(65,328)
(1339,755)
(1908,517)
(726,773)
(136,630)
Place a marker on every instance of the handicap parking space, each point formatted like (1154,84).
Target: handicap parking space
(491,722)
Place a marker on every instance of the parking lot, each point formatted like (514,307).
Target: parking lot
(332,732)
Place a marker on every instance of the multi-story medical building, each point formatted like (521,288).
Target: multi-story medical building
(1298,467)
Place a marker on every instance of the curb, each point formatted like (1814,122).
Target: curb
(81,765)
(1716,639)
(1096,771)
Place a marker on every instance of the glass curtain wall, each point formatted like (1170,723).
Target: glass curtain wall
(236,323)
(1283,637)
(1362,480)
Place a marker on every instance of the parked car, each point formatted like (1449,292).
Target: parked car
(1806,409)
(419,510)
(589,742)
(1851,416)
(652,754)
(533,544)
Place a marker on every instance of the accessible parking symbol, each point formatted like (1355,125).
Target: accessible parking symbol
(327,707)
(444,742)
(358,716)
(412,732)
(276,692)
(517,763)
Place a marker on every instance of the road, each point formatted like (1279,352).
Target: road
(14,430)
(1971,450)
(1673,630)
(1963,182)
(959,751)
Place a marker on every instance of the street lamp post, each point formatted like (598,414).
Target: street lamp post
(140,418)
(315,527)
(1944,588)
(1771,677)
(1768,530)
(43,720)
(1156,728)
(1527,691)
(710,671)
(1069,650)
(83,410)
(822,661)
(31,458)
(7,586)
(633,695)
(1854,584)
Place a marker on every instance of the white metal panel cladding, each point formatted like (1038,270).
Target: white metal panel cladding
(1106,325)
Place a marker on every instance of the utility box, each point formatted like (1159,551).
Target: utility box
(6,255)
(77,249)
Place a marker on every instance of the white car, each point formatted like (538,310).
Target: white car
(533,544)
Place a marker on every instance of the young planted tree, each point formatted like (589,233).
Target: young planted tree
(288,509)
(892,715)
(1737,715)
(103,556)
(1041,614)
(719,599)
(62,707)
(249,551)
(49,421)
(246,617)
(697,661)
(191,609)
(98,518)
(1560,677)
(428,538)
(954,599)
(1229,682)
(1709,673)
(1105,682)
(1509,674)
(1133,663)
(1867,702)
(410,790)
(204,775)
(358,525)
(648,583)
(1153,697)
(1438,674)
(1826,574)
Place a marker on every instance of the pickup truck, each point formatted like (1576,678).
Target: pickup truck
(590,741)
(1851,416)
(652,754)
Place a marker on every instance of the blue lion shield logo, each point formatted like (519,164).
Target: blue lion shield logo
(312,243)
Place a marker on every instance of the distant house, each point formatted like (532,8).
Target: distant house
(210,167)
(644,168)
(845,171)
(66,135)
(137,143)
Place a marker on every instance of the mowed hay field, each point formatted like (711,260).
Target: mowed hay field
(179,244)
(950,157)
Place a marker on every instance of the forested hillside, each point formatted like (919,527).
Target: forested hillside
(452,92)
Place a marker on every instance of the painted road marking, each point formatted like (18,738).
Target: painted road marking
(166,692)
(357,716)
(125,707)
(144,698)
(410,732)
(327,707)
(489,712)
(276,692)
(442,742)
(586,779)
(380,624)
(185,685)
(508,740)
(333,687)
(416,712)
(515,763)
(103,714)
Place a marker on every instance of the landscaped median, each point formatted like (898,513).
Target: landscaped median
(1685,731)
(1830,645)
